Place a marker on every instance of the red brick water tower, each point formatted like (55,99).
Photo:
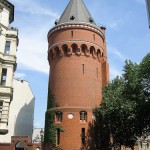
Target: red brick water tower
(78,71)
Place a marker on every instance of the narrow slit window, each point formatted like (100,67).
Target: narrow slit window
(97,72)
(83,136)
(58,136)
(7,47)
(4,75)
(94,37)
(83,68)
(1,107)
(71,33)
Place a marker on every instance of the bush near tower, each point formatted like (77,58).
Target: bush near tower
(124,114)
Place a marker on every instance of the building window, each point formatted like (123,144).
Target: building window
(74,48)
(83,136)
(98,53)
(71,33)
(58,136)
(65,49)
(3,78)
(83,48)
(83,68)
(94,37)
(57,51)
(92,50)
(59,116)
(7,47)
(83,116)
(1,107)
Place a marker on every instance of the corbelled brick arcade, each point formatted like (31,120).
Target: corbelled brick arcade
(78,71)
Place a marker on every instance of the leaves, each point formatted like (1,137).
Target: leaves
(125,109)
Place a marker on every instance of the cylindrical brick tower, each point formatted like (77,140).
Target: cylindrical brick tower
(78,71)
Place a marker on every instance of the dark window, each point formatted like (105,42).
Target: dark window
(59,116)
(83,115)
(57,51)
(94,37)
(97,72)
(83,136)
(58,136)
(83,68)
(65,49)
(72,33)
(7,47)
(3,78)
(83,48)
(98,53)
(92,50)
(1,107)
(74,48)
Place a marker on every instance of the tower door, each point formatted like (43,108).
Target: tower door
(19,146)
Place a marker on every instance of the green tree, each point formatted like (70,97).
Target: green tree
(124,111)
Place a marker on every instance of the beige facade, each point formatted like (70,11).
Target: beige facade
(21,112)
(8,47)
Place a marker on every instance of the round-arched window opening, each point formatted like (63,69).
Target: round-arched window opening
(98,53)
(92,50)
(57,51)
(65,49)
(74,48)
(83,48)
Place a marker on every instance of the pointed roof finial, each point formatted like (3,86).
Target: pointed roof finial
(76,11)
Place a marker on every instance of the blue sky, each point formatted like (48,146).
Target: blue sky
(127,35)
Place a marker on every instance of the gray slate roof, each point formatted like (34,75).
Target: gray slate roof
(76,11)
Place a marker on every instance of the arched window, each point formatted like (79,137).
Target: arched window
(98,53)
(74,48)
(57,51)
(83,48)
(19,146)
(59,116)
(65,49)
(83,115)
(92,50)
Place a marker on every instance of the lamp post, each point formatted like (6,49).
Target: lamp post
(42,135)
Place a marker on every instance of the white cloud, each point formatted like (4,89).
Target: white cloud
(114,24)
(32,7)
(19,75)
(114,72)
(116,52)
(32,53)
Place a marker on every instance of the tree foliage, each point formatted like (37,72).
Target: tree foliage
(125,110)
(50,126)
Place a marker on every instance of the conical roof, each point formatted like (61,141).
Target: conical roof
(76,11)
